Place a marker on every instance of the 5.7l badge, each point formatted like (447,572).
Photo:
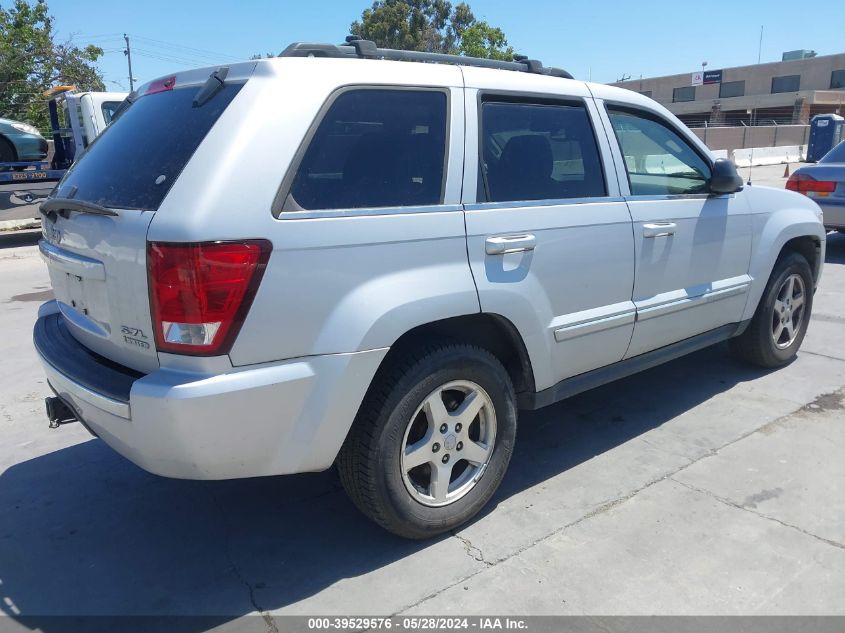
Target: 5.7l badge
(134,336)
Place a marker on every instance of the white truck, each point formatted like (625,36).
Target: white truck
(86,114)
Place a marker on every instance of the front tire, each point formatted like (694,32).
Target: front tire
(780,322)
(432,440)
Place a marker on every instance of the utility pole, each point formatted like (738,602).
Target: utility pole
(760,45)
(128,53)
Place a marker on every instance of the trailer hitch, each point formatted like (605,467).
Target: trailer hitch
(58,412)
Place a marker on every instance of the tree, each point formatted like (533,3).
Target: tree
(32,61)
(483,40)
(433,26)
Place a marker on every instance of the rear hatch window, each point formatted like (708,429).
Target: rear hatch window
(133,164)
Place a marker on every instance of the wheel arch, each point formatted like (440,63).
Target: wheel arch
(490,331)
(810,247)
(792,227)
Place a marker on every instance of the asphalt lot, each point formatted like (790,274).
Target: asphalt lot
(699,487)
(14,197)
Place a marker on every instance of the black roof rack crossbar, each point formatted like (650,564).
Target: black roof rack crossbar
(365,49)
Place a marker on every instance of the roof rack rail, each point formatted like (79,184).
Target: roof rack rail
(366,49)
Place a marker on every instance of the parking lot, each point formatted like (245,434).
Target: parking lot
(699,487)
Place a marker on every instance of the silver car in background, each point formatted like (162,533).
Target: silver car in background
(824,182)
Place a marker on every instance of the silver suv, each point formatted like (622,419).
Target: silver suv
(346,256)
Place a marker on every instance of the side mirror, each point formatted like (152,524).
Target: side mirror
(724,178)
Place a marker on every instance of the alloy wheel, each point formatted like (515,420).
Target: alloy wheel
(448,443)
(788,313)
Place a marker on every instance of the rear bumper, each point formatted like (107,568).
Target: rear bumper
(273,419)
(834,213)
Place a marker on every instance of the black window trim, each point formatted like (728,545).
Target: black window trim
(277,208)
(833,74)
(516,97)
(654,116)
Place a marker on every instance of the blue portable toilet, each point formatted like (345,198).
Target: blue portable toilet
(825,132)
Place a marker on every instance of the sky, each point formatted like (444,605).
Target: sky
(598,41)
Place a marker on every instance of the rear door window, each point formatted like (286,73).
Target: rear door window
(374,148)
(136,160)
(538,152)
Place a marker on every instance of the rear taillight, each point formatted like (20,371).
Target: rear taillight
(806,184)
(200,293)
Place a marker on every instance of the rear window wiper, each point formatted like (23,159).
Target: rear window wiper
(58,205)
(212,86)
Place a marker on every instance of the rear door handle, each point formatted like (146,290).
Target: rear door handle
(509,244)
(659,229)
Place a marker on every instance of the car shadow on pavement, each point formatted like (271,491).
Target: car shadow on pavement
(83,531)
(13,239)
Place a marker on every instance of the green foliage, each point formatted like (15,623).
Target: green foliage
(31,61)
(433,26)
(483,40)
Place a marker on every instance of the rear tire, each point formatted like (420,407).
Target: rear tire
(780,322)
(411,462)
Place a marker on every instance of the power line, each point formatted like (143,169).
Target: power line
(100,35)
(165,58)
(202,52)
(181,51)
(181,57)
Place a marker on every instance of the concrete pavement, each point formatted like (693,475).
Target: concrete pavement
(699,487)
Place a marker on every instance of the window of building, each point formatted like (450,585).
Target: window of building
(375,148)
(787,83)
(731,89)
(659,161)
(646,93)
(538,152)
(687,93)
(837,79)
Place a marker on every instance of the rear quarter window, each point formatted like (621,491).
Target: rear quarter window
(136,160)
(374,148)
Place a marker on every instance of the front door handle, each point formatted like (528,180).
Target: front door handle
(659,229)
(510,244)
